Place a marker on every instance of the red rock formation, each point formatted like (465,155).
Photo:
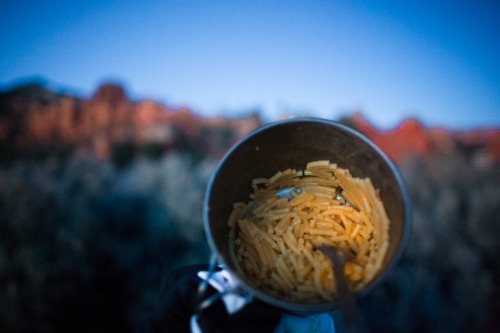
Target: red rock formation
(108,117)
(411,137)
(33,115)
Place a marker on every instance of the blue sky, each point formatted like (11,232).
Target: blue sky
(436,61)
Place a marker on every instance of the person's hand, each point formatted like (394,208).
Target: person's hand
(179,301)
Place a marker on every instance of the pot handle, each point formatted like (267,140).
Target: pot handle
(233,297)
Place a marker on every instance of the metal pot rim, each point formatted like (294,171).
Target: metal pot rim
(309,308)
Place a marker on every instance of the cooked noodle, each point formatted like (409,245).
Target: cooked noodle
(272,240)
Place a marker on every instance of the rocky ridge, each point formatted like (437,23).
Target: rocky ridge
(33,115)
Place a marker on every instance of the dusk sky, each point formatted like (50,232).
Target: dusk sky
(438,61)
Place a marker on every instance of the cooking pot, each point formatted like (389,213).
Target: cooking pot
(292,144)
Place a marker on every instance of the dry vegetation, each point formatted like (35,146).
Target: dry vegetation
(84,245)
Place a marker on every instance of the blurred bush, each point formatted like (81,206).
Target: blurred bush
(84,244)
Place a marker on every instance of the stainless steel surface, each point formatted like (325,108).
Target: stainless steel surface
(291,144)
